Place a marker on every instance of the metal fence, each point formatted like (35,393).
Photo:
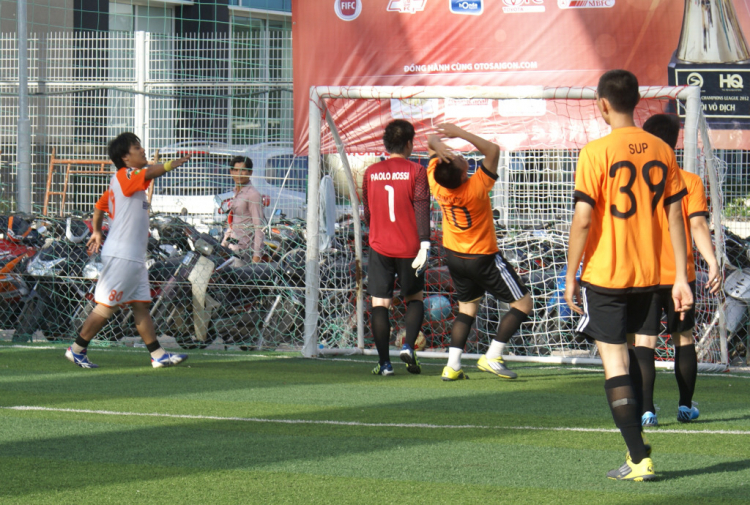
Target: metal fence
(193,91)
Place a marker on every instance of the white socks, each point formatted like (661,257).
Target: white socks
(454,358)
(496,349)
(158,353)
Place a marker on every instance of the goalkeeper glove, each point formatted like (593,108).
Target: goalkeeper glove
(420,262)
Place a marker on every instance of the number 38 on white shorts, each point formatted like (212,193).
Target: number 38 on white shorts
(122,281)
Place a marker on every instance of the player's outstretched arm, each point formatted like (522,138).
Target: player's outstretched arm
(489,150)
(579,233)
(681,293)
(159,169)
(702,237)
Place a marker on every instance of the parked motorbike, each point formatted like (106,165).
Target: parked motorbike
(63,278)
(256,305)
(18,243)
(204,292)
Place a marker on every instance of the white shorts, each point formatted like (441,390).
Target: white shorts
(122,281)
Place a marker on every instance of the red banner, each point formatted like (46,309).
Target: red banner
(488,43)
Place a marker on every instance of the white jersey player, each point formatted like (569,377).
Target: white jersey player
(124,277)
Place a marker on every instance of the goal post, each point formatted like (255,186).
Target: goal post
(541,130)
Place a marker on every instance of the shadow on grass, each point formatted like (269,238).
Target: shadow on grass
(195,446)
(731,466)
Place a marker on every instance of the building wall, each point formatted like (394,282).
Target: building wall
(48,16)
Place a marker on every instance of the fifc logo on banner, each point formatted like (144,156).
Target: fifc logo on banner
(473,7)
(410,6)
(514,6)
(348,10)
(585,4)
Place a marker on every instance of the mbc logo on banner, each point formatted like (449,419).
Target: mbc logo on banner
(348,10)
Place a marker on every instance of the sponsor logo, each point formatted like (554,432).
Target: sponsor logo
(520,6)
(585,4)
(348,10)
(695,79)
(730,81)
(473,107)
(414,108)
(472,7)
(410,6)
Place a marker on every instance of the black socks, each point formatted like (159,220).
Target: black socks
(626,414)
(509,324)
(461,329)
(381,332)
(414,317)
(686,371)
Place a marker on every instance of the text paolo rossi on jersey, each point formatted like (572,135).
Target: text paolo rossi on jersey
(388,176)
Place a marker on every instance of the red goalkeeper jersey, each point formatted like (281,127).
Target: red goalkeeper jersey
(396,198)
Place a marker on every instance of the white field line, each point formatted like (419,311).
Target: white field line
(360,424)
(142,350)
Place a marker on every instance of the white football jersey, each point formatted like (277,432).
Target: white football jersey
(125,202)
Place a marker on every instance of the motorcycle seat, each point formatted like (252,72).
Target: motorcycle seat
(252,273)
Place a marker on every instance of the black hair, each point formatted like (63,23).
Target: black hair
(120,146)
(397,135)
(242,159)
(620,88)
(448,175)
(664,126)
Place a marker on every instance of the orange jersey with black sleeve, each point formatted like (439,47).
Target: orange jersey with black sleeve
(693,205)
(467,212)
(628,177)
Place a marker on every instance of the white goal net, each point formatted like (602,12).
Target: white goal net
(540,132)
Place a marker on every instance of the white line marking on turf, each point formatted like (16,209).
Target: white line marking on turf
(357,423)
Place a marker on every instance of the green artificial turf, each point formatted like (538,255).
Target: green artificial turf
(227,449)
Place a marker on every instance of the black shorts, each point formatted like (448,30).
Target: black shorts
(662,301)
(381,274)
(476,274)
(609,318)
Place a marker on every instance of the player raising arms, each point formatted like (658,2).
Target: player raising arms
(396,201)
(471,253)
(124,277)
(624,182)
(694,212)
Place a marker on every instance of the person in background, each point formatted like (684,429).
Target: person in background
(245,232)
(694,213)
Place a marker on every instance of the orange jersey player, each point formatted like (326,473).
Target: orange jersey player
(624,182)
(694,212)
(473,258)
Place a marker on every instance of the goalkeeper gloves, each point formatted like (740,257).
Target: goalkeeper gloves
(420,262)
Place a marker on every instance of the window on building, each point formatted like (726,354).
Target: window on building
(262,52)
(271,5)
(128,18)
